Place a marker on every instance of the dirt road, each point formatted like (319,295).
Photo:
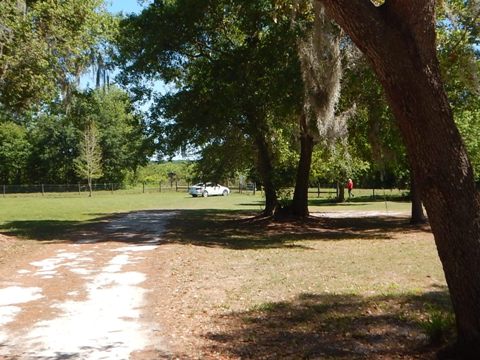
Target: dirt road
(87,299)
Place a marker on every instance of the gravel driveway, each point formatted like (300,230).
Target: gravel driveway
(85,300)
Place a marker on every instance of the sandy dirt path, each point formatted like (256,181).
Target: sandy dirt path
(87,299)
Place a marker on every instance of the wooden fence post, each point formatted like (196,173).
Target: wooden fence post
(143,184)
(159,186)
(43,190)
(4,190)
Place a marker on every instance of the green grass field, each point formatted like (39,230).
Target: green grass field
(346,278)
(45,216)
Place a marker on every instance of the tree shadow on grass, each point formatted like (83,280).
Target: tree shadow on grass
(42,230)
(357,200)
(327,326)
(211,228)
(137,227)
(241,230)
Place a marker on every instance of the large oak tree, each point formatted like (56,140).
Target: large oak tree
(398,37)
(233,66)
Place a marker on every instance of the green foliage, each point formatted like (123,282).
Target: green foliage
(88,164)
(45,46)
(53,138)
(54,141)
(458,52)
(285,197)
(468,122)
(235,70)
(155,173)
(14,152)
(222,159)
(373,135)
(122,135)
(286,155)
(438,325)
(337,164)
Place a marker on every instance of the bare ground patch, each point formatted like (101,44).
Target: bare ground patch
(11,247)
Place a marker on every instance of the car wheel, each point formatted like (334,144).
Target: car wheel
(225,192)
(194,195)
(205,194)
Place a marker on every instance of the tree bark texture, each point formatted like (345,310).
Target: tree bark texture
(340,191)
(399,40)
(299,207)
(417,215)
(265,168)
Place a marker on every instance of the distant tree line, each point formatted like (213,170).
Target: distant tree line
(47,148)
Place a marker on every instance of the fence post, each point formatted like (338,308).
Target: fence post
(318,190)
(43,190)
(254,188)
(159,186)
(3,190)
(143,187)
(112,188)
(79,189)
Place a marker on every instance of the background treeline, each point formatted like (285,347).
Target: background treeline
(43,148)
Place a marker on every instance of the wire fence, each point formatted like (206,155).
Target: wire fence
(249,188)
(80,188)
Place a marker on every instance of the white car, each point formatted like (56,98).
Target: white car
(208,189)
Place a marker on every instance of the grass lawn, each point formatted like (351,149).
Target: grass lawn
(237,287)
(46,216)
(366,288)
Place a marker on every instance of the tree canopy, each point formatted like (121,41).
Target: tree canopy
(45,46)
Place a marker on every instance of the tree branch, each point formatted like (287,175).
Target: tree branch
(376,29)
(418,16)
(368,24)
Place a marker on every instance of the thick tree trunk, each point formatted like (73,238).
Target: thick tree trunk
(340,191)
(417,216)
(299,207)
(399,40)
(265,168)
